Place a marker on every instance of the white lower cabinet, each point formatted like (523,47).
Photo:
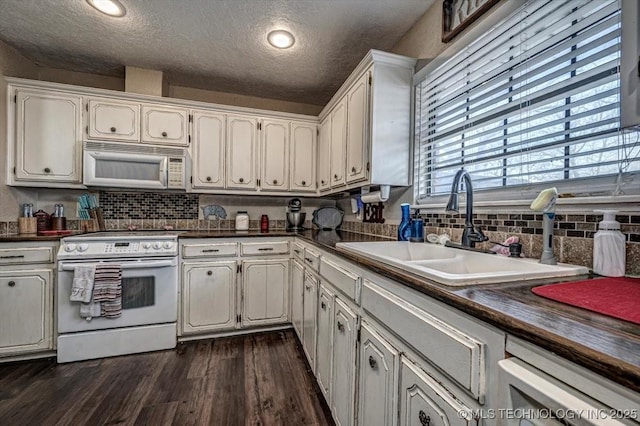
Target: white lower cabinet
(265,285)
(343,364)
(309,317)
(26,311)
(378,379)
(424,402)
(209,296)
(324,340)
(297,286)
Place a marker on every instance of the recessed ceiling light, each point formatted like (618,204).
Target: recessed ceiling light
(281,39)
(109,7)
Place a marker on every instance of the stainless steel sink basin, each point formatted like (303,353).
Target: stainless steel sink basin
(457,267)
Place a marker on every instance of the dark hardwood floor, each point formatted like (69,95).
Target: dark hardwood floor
(259,379)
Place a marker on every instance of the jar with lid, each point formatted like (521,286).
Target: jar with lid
(242,221)
(264,223)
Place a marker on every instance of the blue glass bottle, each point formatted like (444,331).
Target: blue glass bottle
(404,229)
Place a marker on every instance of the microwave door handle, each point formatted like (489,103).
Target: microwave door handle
(163,172)
(129,265)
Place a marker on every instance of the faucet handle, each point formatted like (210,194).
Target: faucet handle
(477,236)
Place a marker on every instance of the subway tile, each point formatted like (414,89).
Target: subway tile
(573,233)
(634,219)
(566,225)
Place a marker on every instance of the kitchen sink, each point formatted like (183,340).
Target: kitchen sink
(456,267)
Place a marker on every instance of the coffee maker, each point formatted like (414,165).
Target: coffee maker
(295,215)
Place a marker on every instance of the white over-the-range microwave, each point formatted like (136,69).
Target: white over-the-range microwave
(123,165)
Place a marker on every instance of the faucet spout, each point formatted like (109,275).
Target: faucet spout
(471,235)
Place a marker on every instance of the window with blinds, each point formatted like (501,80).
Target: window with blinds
(534,100)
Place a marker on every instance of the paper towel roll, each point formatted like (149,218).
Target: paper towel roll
(377,196)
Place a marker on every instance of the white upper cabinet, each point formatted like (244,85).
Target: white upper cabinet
(324,155)
(338,143)
(209,130)
(165,125)
(357,125)
(302,151)
(48,132)
(274,155)
(111,119)
(242,144)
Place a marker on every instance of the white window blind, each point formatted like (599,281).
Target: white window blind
(535,100)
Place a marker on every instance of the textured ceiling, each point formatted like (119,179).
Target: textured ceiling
(213,44)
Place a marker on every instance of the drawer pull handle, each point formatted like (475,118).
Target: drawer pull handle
(113,130)
(296,251)
(340,326)
(11,283)
(17,256)
(424,419)
(323,306)
(372,362)
(164,134)
(209,272)
(210,250)
(265,249)
(306,259)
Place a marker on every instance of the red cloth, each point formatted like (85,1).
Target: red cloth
(615,297)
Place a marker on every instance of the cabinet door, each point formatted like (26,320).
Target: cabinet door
(25,311)
(165,125)
(208,296)
(113,120)
(48,136)
(424,402)
(309,318)
(303,157)
(242,138)
(297,285)
(324,342)
(324,155)
(274,156)
(343,364)
(265,291)
(338,143)
(379,364)
(208,149)
(357,125)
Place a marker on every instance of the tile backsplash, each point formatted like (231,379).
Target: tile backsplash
(148,205)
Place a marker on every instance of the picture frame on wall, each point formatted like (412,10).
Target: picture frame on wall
(459,14)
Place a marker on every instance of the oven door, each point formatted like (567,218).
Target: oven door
(149,295)
(125,170)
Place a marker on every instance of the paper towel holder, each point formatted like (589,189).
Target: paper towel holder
(379,196)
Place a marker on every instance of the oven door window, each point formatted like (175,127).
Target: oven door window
(138,292)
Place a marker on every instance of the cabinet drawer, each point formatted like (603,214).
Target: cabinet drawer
(265,247)
(343,280)
(298,251)
(424,402)
(311,259)
(26,255)
(457,354)
(209,250)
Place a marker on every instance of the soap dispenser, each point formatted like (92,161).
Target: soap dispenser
(404,229)
(609,252)
(417,228)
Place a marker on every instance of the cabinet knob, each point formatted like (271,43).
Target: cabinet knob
(353,170)
(241,180)
(47,170)
(209,272)
(11,283)
(424,419)
(340,326)
(322,182)
(113,130)
(164,134)
(308,287)
(208,178)
(372,362)
(304,183)
(275,181)
(323,306)
(335,177)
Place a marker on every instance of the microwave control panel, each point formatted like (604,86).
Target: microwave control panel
(176,172)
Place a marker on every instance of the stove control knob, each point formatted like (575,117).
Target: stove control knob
(157,245)
(83,247)
(168,245)
(69,247)
(146,246)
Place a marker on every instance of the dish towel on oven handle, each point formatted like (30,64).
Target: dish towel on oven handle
(107,289)
(82,286)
